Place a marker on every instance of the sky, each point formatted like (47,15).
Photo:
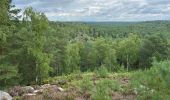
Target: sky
(99,10)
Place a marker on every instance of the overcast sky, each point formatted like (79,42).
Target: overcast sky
(100,10)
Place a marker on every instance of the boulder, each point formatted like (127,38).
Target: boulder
(36,87)
(40,91)
(28,89)
(45,86)
(62,82)
(48,87)
(15,91)
(30,94)
(19,91)
(60,89)
(5,96)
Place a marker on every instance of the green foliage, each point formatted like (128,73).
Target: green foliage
(128,50)
(114,85)
(3,38)
(154,46)
(4,11)
(88,57)
(111,84)
(104,88)
(33,48)
(102,72)
(86,84)
(8,75)
(153,82)
(105,53)
(56,44)
(8,66)
(73,58)
(163,68)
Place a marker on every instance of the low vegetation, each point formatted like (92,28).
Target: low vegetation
(88,61)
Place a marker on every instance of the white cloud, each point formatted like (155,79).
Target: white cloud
(100,10)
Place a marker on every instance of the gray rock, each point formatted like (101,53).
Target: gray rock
(40,91)
(5,96)
(28,89)
(36,87)
(60,89)
(62,82)
(19,91)
(135,92)
(45,86)
(16,91)
(30,94)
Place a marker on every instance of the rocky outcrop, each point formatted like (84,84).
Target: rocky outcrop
(28,89)
(30,92)
(18,90)
(5,96)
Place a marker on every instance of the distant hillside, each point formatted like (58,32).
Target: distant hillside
(115,29)
(128,23)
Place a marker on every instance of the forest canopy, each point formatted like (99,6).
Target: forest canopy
(32,48)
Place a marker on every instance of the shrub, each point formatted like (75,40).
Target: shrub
(102,72)
(104,88)
(113,85)
(86,84)
(163,68)
(153,82)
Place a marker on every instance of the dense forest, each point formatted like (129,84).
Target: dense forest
(32,48)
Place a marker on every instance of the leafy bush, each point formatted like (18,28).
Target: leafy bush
(153,82)
(86,84)
(163,68)
(104,88)
(102,91)
(102,72)
(113,85)
(8,76)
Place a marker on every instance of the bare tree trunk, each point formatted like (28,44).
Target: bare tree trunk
(127,62)
(36,78)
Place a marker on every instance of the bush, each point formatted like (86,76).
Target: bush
(163,68)
(102,72)
(113,85)
(102,91)
(86,84)
(153,82)
(104,88)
